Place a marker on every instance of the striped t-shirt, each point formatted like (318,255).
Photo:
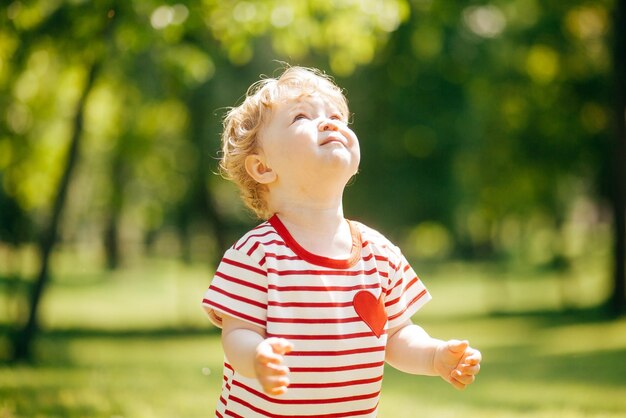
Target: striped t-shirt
(335,312)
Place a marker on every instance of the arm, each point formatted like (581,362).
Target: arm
(254,356)
(411,350)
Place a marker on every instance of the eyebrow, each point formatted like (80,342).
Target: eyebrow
(301,101)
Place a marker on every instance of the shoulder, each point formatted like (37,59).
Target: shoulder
(254,243)
(376,240)
(258,234)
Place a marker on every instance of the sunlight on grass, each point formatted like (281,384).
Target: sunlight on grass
(112,376)
(579,339)
(153,294)
(132,344)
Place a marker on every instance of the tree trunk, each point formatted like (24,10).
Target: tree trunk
(201,198)
(116,203)
(618,297)
(24,337)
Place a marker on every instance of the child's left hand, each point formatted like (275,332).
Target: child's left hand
(457,363)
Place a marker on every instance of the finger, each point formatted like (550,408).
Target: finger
(457,385)
(471,361)
(266,353)
(276,370)
(276,386)
(474,356)
(277,391)
(457,346)
(268,358)
(461,378)
(470,369)
(280,345)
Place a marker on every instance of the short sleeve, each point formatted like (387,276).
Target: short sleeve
(238,289)
(405,295)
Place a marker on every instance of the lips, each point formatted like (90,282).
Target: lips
(334,138)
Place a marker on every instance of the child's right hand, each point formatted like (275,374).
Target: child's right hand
(270,371)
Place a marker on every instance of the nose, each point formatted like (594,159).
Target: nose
(328,125)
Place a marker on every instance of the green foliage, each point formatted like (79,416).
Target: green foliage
(157,57)
(484,128)
(477,115)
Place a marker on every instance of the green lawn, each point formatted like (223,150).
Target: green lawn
(135,344)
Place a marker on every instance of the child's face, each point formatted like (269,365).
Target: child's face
(308,139)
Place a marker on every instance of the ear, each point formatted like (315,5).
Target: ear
(259,170)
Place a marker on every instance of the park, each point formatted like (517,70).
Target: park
(493,149)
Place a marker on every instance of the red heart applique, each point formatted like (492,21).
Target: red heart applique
(371,311)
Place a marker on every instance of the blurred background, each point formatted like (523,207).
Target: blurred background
(493,152)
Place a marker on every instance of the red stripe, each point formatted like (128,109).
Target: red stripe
(235,313)
(253,248)
(266,244)
(310,304)
(376,257)
(313,320)
(282,257)
(302,401)
(239,281)
(336,368)
(337,353)
(337,415)
(335,384)
(324,288)
(323,272)
(404,291)
(323,337)
(237,297)
(415,299)
(398,283)
(243,266)
(249,237)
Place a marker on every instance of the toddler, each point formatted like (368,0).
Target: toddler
(311,305)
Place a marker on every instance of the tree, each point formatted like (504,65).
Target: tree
(22,344)
(150,68)
(23,338)
(618,295)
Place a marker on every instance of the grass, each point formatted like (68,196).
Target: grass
(135,344)
(112,376)
(533,367)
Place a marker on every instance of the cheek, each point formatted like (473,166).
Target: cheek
(356,151)
(355,142)
(357,158)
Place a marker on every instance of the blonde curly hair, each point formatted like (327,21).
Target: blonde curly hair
(244,123)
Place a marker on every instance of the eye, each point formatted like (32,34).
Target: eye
(338,117)
(299,116)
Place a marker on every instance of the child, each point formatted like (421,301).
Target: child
(311,305)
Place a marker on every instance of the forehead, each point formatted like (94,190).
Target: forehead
(289,97)
(297,101)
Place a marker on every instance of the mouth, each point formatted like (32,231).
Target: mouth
(334,139)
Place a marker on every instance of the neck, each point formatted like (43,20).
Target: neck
(313,207)
(314,218)
(318,226)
